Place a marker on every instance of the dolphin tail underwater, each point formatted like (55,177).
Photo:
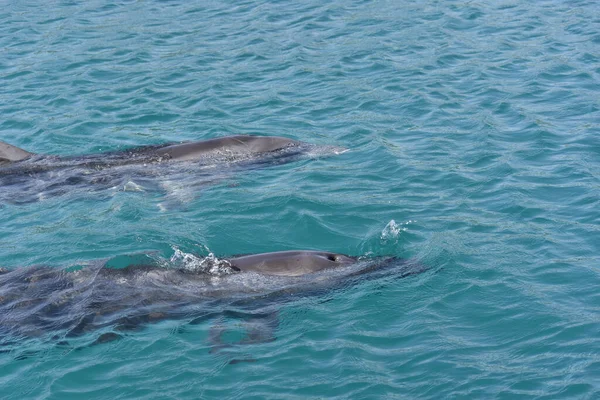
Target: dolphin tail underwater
(59,304)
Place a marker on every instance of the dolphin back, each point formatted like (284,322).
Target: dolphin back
(238,144)
(10,153)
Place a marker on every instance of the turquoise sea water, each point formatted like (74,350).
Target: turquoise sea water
(474,130)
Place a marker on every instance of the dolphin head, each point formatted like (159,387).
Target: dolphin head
(290,263)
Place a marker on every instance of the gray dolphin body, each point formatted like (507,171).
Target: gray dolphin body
(54,303)
(238,145)
(27,177)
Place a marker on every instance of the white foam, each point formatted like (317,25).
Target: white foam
(392,230)
(209,265)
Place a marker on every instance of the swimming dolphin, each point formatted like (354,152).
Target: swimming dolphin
(58,304)
(27,177)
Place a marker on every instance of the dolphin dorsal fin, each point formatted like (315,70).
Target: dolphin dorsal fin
(10,153)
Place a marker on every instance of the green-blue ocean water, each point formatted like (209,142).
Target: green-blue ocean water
(474,130)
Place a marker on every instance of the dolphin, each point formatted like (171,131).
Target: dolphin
(105,301)
(27,177)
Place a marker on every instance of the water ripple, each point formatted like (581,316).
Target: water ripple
(478,123)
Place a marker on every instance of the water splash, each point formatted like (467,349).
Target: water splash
(386,242)
(210,264)
(392,230)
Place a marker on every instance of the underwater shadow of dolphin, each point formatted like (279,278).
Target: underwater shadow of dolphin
(26,177)
(58,304)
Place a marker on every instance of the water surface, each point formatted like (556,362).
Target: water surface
(474,133)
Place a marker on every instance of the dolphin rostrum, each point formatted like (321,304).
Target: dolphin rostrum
(27,177)
(57,304)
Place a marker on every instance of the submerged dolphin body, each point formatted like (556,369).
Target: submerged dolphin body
(27,177)
(58,304)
